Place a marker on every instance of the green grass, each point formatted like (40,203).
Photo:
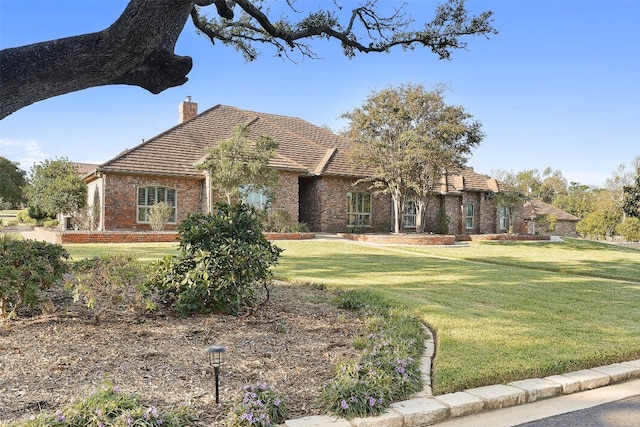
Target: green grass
(495,323)
(145,252)
(501,311)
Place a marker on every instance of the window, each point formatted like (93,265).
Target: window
(410,214)
(257,199)
(503,217)
(469,216)
(358,209)
(149,196)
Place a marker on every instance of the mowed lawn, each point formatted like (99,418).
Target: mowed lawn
(532,310)
(500,311)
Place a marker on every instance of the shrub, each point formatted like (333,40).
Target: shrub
(50,223)
(108,407)
(387,369)
(159,215)
(26,267)
(25,217)
(629,229)
(109,281)
(223,257)
(442,221)
(259,405)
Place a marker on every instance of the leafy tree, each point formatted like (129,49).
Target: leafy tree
(137,49)
(56,187)
(600,224)
(12,182)
(631,197)
(546,186)
(580,200)
(238,165)
(629,229)
(409,138)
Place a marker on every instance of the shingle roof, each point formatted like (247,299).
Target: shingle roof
(84,168)
(535,207)
(303,147)
(470,180)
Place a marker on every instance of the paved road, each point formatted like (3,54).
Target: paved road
(621,413)
(611,406)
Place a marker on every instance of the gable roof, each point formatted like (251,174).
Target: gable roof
(84,168)
(536,207)
(469,180)
(303,147)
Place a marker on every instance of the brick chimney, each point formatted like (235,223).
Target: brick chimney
(187,110)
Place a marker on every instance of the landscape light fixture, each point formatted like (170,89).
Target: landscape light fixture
(214,352)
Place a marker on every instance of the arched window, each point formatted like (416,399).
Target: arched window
(503,217)
(149,196)
(469,214)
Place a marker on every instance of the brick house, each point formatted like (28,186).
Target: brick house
(317,184)
(537,213)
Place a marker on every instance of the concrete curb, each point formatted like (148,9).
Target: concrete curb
(429,410)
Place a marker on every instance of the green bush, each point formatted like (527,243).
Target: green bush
(25,217)
(109,407)
(442,221)
(388,368)
(223,258)
(159,215)
(629,229)
(259,405)
(26,267)
(108,282)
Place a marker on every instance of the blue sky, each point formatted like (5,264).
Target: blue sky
(558,87)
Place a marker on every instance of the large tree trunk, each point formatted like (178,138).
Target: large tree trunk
(136,50)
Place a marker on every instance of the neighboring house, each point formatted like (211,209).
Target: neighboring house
(317,184)
(539,216)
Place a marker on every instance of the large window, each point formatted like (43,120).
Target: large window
(410,214)
(358,209)
(503,217)
(149,196)
(469,214)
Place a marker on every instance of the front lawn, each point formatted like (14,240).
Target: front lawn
(501,311)
(145,252)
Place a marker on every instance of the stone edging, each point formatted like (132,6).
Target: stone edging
(426,409)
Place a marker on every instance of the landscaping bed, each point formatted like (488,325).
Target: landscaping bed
(291,343)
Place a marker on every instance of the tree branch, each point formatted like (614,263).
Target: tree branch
(136,50)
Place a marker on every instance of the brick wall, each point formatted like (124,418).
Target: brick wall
(324,205)
(121,199)
(287,195)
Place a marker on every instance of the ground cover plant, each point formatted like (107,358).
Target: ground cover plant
(495,323)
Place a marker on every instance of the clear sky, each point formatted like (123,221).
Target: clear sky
(558,87)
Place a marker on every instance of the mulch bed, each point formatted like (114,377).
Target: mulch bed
(291,343)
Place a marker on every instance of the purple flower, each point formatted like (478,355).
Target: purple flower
(60,416)
(277,402)
(372,401)
(344,404)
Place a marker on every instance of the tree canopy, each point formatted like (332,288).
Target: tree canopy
(12,181)
(409,138)
(138,48)
(56,187)
(238,165)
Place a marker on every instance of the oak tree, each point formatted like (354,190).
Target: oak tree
(138,48)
